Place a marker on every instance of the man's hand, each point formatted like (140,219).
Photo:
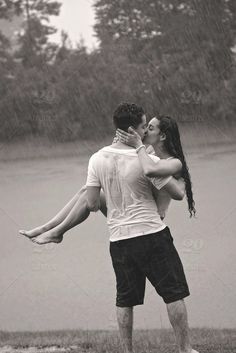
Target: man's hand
(150,149)
(115,139)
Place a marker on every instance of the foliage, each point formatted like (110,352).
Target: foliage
(171,56)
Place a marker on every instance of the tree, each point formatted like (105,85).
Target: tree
(8,8)
(65,48)
(170,26)
(35,48)
(182,49)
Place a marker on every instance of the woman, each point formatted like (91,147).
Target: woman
(163,136)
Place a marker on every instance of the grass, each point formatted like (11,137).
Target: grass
(205,340)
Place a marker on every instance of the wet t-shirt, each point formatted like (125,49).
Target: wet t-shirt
(131,207)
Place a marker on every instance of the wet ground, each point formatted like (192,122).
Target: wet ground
(72,285)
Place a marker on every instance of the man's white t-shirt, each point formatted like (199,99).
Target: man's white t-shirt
(131,208)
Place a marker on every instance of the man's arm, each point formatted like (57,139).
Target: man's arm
(93,198)
(175,188)
(93,184)
(162,200)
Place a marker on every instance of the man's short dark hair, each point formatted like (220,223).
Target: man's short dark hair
(127,114)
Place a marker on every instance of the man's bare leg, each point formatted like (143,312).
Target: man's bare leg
(60,216)
(179,320)
(125,322)
(77,215)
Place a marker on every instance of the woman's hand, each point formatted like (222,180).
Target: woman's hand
(132,138)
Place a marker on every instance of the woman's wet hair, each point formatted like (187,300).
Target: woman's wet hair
(172,143)
(127,114)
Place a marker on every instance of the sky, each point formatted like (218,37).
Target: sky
(77,19)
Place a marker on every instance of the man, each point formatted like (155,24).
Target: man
(140,243)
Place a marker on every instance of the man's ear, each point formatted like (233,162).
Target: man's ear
(130,130)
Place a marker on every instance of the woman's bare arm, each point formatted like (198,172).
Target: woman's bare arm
(162,168)
(151,168)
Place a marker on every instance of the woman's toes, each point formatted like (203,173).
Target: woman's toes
(47,238)
(35,240)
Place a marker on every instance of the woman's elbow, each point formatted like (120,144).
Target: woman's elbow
(92,200)
(92,207)
(179,196)
(148,172)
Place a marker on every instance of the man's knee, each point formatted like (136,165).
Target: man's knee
(176,302)
(177,310)
(180,303)
(124,314)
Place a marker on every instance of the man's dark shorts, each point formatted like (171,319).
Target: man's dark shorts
(153,256)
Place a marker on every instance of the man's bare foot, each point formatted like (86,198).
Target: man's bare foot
(33,232)
(51,236)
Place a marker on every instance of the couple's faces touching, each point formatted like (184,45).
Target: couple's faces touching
(150,133)
(141,129)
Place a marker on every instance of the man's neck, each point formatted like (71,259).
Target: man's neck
(121,146)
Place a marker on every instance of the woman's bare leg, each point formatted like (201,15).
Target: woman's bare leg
(60,216)
(77,215)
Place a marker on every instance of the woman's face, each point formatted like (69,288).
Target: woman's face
(153,133)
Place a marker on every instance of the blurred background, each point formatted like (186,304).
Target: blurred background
(64,67)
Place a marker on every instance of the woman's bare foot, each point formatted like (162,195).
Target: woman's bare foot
(33,232)
(51,236)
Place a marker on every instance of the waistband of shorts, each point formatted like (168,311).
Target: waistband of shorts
(133,239)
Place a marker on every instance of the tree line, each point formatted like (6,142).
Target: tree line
(171,56)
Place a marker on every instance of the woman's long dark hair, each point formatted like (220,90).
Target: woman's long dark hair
(173,146)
